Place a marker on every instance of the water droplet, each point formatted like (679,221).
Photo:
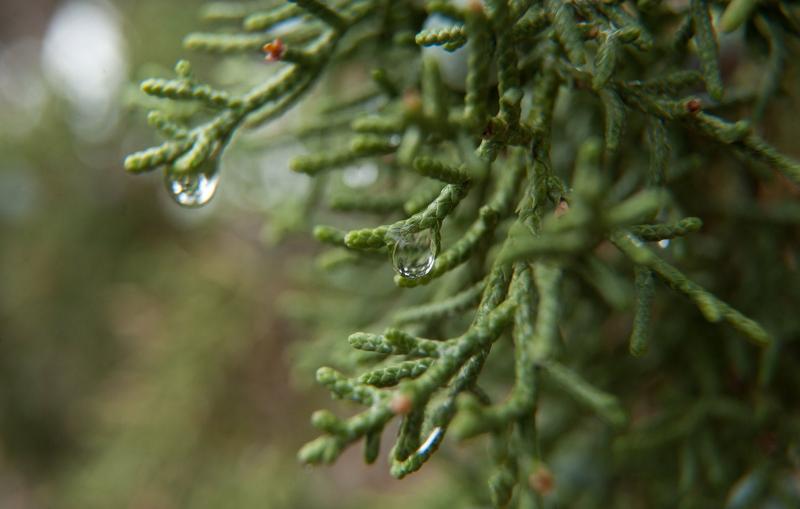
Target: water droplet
(663,243)
(431,442)
(191,189)
(414,253)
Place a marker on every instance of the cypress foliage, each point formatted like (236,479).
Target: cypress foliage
(595,246)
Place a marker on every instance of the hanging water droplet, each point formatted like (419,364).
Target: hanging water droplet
(191,189)
(663,243)
(414,253)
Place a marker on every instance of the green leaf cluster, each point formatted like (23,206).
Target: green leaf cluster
(586,135)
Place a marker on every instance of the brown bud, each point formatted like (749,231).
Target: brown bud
(274,50)
(561,209)
(541,480)
(476,6)
(401,404)
(412,101)
(693,105)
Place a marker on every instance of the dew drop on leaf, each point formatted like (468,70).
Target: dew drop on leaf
(414,253)
(191,189)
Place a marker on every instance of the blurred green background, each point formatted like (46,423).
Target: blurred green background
(143,362)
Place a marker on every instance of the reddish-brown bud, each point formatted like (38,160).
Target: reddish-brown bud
(693,105)
(541,480)
(401,404)
(475,6)
(274,50)
(412,101)
(561,209)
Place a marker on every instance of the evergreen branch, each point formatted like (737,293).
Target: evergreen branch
(433,311)
(656,232)
(530,26)
(183,89)
(329,235)
(474,419)
(166,126)
(228,11)
(712,308)
(431,217)
(492,318)
(614,120)
(225,43)
(525,225)
(409,437)
(323,12)
(567,32)
(327,448)
(379,124)
(659,153)
(459,252)
(422,196)
(672,84)
(640,334)
(747,143)
(259,104)
(392,375)
(632,29)
(508,78)
(432,168)
(489,216)
(606,60)
(395,342)
(451,38)
(777,57)
(264,20)
(707,48)
(736,13)
(165,153)
(683,34)
(360,147)
(604,404)
(475,114)
(343,388)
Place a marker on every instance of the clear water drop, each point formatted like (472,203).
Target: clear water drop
(414,253)
(431,442)
(191,189)
(663,243)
